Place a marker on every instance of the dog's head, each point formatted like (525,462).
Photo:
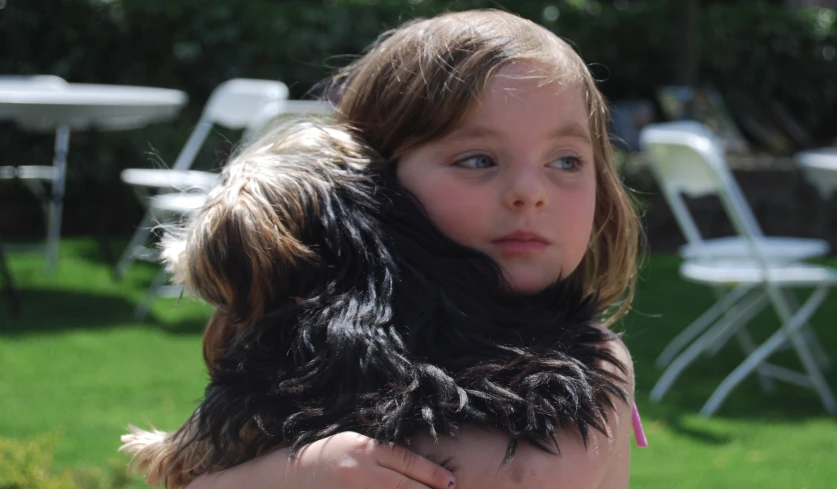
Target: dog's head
(257,240)
(254,237)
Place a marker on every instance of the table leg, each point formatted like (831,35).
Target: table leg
(95,186)
(56,203)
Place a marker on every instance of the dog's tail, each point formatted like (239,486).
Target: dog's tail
(163,457)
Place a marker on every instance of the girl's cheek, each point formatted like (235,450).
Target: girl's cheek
(454,209)
(456,225)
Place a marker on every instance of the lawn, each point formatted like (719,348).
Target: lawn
(75,366)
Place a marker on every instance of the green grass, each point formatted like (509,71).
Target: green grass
(75,364)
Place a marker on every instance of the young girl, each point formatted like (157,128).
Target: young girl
(495,127)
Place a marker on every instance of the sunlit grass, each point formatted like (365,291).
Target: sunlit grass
(75,364)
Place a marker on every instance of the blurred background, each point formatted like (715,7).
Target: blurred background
(772,62)
(76,366)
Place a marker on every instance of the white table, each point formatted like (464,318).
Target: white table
(53,105)
(81,106)
(820,169)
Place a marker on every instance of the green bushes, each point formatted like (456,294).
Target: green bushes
(27,464)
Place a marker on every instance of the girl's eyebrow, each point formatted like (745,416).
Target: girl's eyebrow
(574,130)
(473,132)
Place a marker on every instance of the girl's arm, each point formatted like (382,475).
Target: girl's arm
(345,461)
(617,471)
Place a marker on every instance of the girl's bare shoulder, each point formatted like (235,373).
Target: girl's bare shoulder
(620,351)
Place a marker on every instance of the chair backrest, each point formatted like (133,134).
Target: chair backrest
(270,112)
(686,158)
(233,104)
(258,123)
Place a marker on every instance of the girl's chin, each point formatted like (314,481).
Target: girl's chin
(529,284)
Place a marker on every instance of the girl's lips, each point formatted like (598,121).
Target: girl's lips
(522,235)
(516,247)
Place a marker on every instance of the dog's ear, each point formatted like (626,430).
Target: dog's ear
(217,336)
(243,248)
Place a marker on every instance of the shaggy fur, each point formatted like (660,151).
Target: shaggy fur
(341,307)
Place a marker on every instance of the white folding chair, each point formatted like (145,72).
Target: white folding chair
(34,176)
(235,104)
(678,180)
(687,158)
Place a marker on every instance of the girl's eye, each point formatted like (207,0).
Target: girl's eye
(475,162)
(567,163)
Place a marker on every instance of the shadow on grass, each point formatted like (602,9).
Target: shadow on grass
(160,317)
(53,311)
(676,422)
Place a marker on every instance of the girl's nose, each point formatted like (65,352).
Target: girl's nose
(525,189)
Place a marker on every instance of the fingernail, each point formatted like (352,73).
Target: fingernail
(451,482)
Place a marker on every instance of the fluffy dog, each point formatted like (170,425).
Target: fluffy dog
(341,307)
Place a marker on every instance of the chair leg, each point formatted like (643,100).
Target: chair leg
(754,305)
(800,345)
(698,326)
(749,346)
(139,237)
(731,320)
(823,360)
(808,332)
(56,201)
(789,331)
(745,314)
(153,291)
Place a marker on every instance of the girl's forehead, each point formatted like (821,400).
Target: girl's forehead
(549,70)
(529,76)
(523,84)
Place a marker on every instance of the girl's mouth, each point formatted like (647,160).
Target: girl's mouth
(520,243)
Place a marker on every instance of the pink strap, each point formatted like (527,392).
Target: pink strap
(639,433)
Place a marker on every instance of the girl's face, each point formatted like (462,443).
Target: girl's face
(515,179)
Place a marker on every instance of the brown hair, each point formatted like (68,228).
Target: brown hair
(418,81)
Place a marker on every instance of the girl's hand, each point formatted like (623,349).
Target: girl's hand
(350,460)
(343,461)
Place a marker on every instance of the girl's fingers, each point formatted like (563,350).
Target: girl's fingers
(407,464)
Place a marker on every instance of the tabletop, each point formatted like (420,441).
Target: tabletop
(820,168)
(88,106)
